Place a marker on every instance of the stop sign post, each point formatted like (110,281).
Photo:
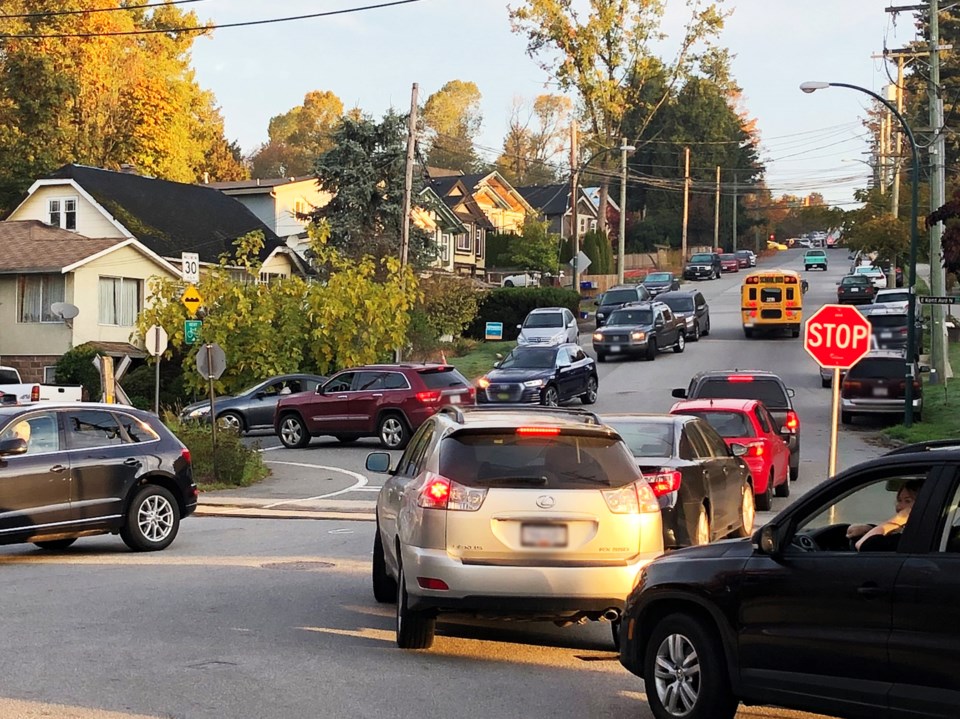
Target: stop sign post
(837,337)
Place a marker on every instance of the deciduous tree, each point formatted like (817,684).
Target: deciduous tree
(299,136)
(452,116)
(536,137)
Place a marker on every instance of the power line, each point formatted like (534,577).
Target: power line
(57,13)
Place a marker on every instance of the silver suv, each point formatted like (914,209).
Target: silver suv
(522,513)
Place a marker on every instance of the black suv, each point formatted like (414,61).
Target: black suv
(692,306)
(544,375)
(752,384)
(812,613)
(617,297)
(643,328)
(703,266)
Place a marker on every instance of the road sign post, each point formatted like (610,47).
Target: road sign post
(211,362)
(837,337)
(156,342)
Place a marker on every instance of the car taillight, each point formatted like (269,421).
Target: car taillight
(185,453)
(634,498)
(740,378)
(472,395)
(664,481)
(538,431)
(35,393)
(793,422)
(441,493)
(755,449)
(430,396)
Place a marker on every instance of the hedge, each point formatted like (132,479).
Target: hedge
(510,305)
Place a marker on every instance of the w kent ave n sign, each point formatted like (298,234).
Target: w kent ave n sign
(837,337)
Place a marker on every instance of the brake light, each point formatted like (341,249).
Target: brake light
(435,494)
(793,421)
(432,583)
(755,449)
(634,498)
(740,378)
(538,431)
(35,393)
(790,280)
(430,396)
(185,453)
(752,281)
(472,394)
(441,493)
(664,481)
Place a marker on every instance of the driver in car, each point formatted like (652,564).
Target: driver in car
(906,497)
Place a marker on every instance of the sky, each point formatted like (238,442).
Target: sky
(810,142)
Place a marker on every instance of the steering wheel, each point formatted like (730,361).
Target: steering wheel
(805,543)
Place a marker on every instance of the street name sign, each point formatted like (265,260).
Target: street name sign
(938,300)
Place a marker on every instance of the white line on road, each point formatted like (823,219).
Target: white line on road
(360,483)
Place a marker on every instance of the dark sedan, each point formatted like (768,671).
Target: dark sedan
(544,375)
(253,408)
(855,290)
(702,485)
(657,282)
(72,470)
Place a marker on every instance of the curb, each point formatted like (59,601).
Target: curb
(289,509)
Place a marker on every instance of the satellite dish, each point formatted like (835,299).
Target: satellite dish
(64,310)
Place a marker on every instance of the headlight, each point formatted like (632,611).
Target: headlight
(558,338)
(689,319)
(199,412)
(483,383)
(598,336)
(533,383)
(521,340)
(600,315)
(638,336)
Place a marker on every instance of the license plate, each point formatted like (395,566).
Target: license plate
(854,289)
(454,399)
(886,335)
(543,535)
(503,395)
(614,348)
(880,392)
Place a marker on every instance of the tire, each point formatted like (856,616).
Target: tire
(696,332)
(681,343)
(825,383)
(748,332)
(550,397)
(795,332)
(601,357)
(393,431)
(783,490)
(615,631)
(508,283)
(55,544)
(232,422)
(152,520)
(794,473)
(345,439)
(748,511)
(682,651)
(765,501)
(651,349)
(293,432)
(590,396)
(415,630)
(702,530)
(846,418)
(706,330)
(384,586)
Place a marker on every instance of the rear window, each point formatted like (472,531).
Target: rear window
(646,438)
(614,297)
(892,297)
(728,424)
(768,391)
(728,257)
(677,303)
(442,377)
(855,280)
(8,377)
(509,459)
(877,368)
(888,320)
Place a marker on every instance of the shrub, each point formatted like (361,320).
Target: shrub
(75,366)
(237,464)
(510,305)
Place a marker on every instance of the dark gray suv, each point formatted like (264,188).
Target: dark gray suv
(617,297)
(692,306)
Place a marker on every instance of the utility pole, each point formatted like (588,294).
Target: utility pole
(408,178)
(686,205)
(734,212)
(621,240)
(574,192)
(882,151)
(716,214)
(937,181)
(898,146)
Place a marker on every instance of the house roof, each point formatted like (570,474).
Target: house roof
(31,246)
(171,217)
(548,199)
(261,184)
(593,193)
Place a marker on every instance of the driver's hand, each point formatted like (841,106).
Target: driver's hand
(855,531)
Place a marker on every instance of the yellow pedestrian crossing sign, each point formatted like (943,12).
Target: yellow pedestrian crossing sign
(192,300)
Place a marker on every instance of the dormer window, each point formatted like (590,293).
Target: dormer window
(63,213)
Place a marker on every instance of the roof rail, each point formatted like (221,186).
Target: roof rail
(925,446)
(457,411)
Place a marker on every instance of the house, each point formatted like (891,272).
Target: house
(168,218)
(434,217)
(553,204)
(469,248)
(613,209)
(106,278)
(498,200)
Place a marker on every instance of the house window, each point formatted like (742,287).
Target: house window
(480,243)
(63,213)
(50,374)
(445,248)
(583,225)
(119,301)
(268,278)
(463,243)
(35,294)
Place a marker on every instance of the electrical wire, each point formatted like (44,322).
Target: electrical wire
(58,13)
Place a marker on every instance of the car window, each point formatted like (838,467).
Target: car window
(614,297)
(512,459)
(631,317)
(340,383)
(136,430)
(678,303)
(667,315)
(577,354)
(91,428)
(646,438)
(877,320)
(726,424)
(530,358)
(368,381)
(39,430)
(950,539)
(764,418)
(700,300)
(413,458)
(310,385)
(543,319)
(714,442)
(877,368)
(563,357)
(395,380)
(692,443)
(768,391)
(441,377)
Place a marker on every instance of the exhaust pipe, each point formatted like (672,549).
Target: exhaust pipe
(611,615)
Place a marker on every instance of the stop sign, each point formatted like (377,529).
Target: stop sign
(837,336)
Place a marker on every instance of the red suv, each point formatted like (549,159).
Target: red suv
(385,401)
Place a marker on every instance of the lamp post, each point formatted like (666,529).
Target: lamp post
(809,87)
(624,149)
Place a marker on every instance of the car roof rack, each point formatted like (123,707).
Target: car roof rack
(457,412)
(932,444)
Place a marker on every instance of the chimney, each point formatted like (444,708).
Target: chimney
(128,168)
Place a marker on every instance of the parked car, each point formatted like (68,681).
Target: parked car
(747,422)
(642,328)
(746,258)
(617,297)
(544,375)
(798,618)
(875,274)
(702,485)
(520,513)
(254,407)
(815,259)
(13,390)
(69,470)
(703,265)
(761,385)
(525,279)
(729,262)
(888,325)
(855,290)
(876,385)
(657,282)
(548,325)
(388,401)
(893,297)
(692,307)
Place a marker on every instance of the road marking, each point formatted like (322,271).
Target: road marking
(340,531)
(360,483)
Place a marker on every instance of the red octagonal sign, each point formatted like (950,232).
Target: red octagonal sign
(837,336)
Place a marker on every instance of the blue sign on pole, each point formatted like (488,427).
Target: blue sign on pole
(493,331)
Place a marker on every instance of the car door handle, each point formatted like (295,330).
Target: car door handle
(341,396)
(132,462)
(58,468)
(378,394)
(871,591)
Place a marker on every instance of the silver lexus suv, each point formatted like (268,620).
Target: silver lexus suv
(536,513)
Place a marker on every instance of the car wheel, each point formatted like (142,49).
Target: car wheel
(508,283)
(748,332)
(152,521)
(590,396)
(601,357)
(550,397)
(681,343)
(415,630)
(393,431)
(765,501)
(345,439)
(706,330)
(795,473)
(231,422)
(293,432)
(702,532)
(615,631)
(825,382)
(783,490)
(684,671)
(795,332)
(652,349)
(696,332)
(384,587)
(56,543)
(748,511)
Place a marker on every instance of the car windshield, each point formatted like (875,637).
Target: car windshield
(536,320)
(631,317)
(530,358)
(702,258)
(727,257)
(441,377)
(877,368)
(511,459)
(768,391)
(646,437)
(615,297)
(846,281)
(727,424)
(677,303)
(659,277)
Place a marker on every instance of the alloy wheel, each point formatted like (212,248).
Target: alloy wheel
(155,518)
(290,431)
(703,527)
(748,510)
(677,675)
(391,431)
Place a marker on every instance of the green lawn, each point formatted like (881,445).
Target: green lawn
(480,360)
(941,420)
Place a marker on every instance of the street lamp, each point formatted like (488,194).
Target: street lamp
(809,87)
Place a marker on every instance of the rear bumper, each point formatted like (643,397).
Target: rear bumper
(877,406)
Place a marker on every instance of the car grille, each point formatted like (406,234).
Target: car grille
(505,393)
(616,338)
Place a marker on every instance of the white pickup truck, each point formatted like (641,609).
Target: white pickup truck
(13,390)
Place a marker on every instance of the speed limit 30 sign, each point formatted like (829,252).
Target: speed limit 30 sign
(837,336)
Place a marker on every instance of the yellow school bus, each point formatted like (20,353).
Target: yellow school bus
(771,300)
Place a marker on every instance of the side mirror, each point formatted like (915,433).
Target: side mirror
(738,450)
(496,365)
(679,393)
(791,392)
(13,446)
(519,327)
(924,368)
(767,540)
(658,323)
(378,462)
(597,302)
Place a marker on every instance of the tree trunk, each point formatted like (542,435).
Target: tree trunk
(602,210)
